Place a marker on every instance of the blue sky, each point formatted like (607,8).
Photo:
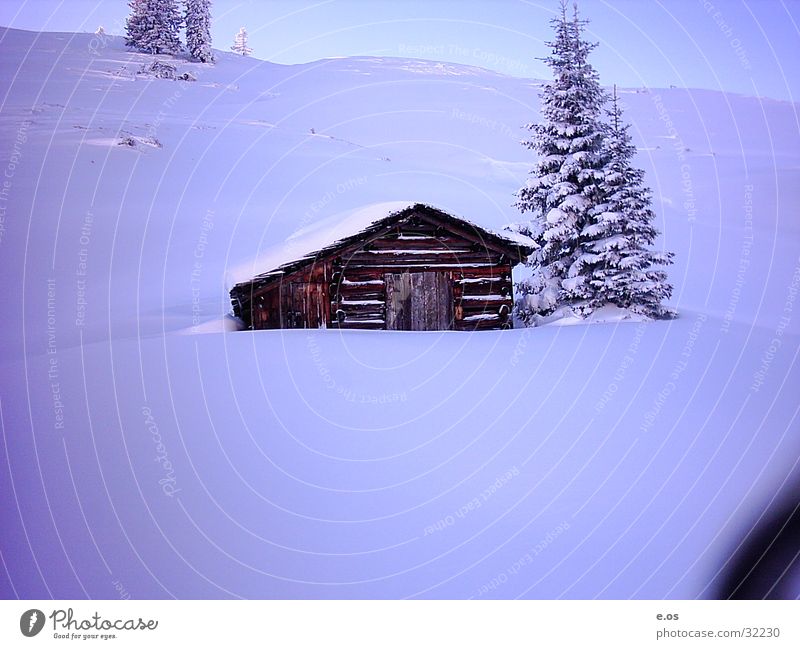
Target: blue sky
(748,47)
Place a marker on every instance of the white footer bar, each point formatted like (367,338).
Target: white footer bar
(400,624)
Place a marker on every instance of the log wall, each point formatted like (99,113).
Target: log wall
(481,278)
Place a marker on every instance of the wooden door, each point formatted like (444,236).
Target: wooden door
(302,305)
(419,301)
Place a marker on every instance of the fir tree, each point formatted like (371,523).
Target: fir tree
(135,23)
(622,232)
(153,26)
(563,188)
(198,30)
(240,43)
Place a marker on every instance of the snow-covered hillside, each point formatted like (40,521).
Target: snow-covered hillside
(143,455)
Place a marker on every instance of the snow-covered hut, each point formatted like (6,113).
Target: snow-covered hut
(400,266)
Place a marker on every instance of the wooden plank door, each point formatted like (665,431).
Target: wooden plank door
(419,301)
(431,301)
(302,305)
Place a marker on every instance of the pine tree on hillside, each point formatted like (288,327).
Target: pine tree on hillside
(622,232)
(198,30)
(240,43)
(153,26)
(563,188)
(135,23)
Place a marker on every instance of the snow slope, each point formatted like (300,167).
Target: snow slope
(614,461)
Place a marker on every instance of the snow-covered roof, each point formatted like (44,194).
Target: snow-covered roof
(307,242)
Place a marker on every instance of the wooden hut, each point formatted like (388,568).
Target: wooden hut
(389,266)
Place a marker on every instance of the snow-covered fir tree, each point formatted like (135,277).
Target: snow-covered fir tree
(154,26)
(240,43)
(563,188)
(621,233)
(135,23)
(198,30)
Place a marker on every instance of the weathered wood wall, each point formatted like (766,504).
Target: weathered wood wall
(303,305)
